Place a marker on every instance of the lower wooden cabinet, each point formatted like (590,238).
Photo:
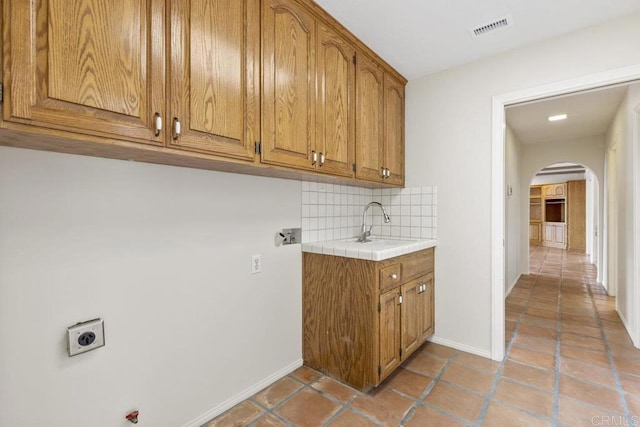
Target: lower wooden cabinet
(362,318)
(554,235)
(535,233)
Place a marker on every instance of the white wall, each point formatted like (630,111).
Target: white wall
(588,152)
(513,216)
(163,255)
(620,176)
(448,133)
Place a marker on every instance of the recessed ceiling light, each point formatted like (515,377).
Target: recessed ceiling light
(558,117)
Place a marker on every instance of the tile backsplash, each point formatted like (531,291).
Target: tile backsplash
(331,211)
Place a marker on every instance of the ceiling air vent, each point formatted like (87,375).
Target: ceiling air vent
(491,27)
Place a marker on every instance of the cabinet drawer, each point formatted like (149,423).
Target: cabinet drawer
(417,264)
(390,277)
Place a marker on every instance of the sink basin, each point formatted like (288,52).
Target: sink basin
(378,249)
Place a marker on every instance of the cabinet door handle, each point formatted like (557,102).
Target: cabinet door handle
(388,172)
(158,123)
(393,276)
(314,157)
(322,159)
(399,299)
(382,172)
(176,128)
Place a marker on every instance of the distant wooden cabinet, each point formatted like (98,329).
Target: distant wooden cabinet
(362,318)
(554,190)
(89,67)
(554,235)
(576,215)
(379,124)
(535,233)
(214,76)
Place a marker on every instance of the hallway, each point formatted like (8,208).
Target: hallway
(565,340)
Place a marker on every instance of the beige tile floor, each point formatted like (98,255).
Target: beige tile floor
(569,362)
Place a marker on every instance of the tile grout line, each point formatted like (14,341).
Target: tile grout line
(498,374)
(556,365)
(418,402)
(618,385)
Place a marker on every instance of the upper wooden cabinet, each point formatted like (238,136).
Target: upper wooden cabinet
(214,76)
(393,130)
(554,191)
(336,83)
(289,99)
(202,83)
(379,124)
(369,120)
(93,67)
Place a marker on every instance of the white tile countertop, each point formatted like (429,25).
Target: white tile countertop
(378,249)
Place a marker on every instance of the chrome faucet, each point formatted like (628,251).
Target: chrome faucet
(364,232)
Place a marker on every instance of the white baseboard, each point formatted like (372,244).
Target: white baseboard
(243,395)
(511,286)
(628,328)
(461,347)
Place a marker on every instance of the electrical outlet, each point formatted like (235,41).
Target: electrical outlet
(85,336)
(256,264)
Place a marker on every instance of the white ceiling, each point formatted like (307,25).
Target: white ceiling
(420,37)
(589,114)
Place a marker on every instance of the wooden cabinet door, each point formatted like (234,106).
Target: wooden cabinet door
(394,130)
(547,233)
(559,234)
(88,66)
(335,140)
(369,119)
(535,232)
(389,332)
(426,308)
(289,86)
(410,322)
(214,76)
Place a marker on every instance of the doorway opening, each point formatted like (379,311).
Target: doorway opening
(501,186)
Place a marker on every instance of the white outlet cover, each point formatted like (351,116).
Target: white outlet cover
(256,264)
(92,328)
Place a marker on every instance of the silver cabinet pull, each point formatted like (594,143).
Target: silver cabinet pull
(388,173)
(158,123)
(322,159)
(394,276)
(382,172)
(176,128)
(314,157)
(399,298)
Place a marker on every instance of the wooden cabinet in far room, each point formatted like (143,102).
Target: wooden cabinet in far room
(554,190)
(554,235)
(535,215)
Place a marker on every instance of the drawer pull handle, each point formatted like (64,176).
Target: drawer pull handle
(394,276)
(158,124)
(176,128)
